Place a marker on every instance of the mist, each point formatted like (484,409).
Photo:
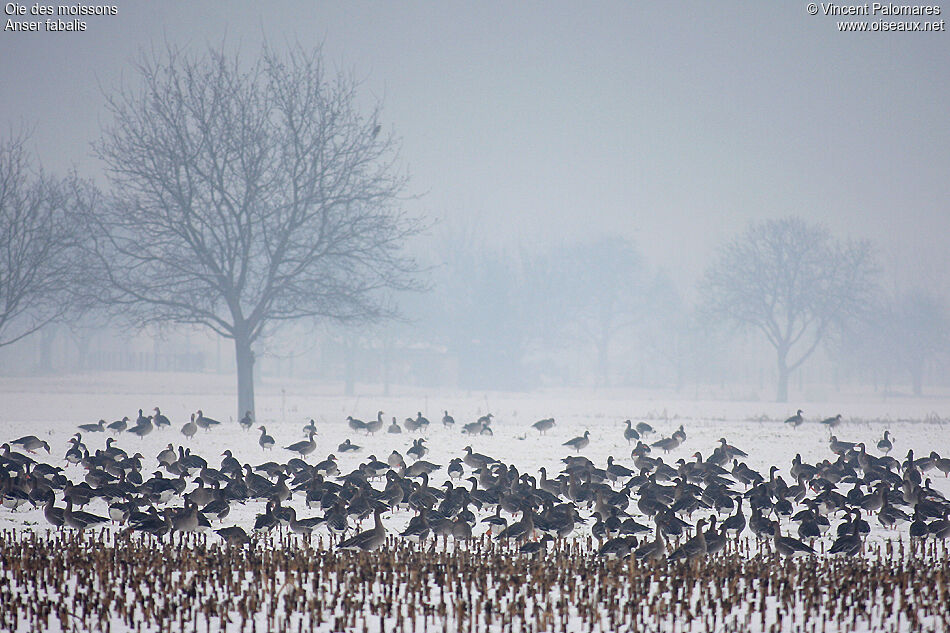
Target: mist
(579,171)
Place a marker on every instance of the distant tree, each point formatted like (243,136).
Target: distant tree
(598,290)
(246,196)
(793,282)
(36,244)
(478,311)
(907,332)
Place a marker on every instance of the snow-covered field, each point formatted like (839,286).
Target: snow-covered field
(52,408)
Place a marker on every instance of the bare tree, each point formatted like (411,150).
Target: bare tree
(35,244)
(244,196)
(907,332)
(794,283)
(596,290)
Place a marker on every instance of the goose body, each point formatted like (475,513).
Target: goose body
(796,419)
(579,443)
(265,440)
(370,539)
(303,448)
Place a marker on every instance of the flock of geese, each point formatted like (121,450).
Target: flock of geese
(646,508)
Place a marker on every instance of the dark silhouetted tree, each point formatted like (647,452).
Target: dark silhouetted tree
(248,195)
(793,282)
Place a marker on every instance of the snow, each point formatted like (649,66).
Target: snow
(51,408)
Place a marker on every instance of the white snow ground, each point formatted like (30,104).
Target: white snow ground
(52,408)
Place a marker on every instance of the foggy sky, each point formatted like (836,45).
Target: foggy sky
(670,123)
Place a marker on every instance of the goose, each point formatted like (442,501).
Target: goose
(422,467)
(694,548)
(98,427)
(544,425)
(477,460)
(448,420)
(666,444)
(679,434)
(327,466)
(788,546)
(419,422)
(347,445)
(143,427)
(160,419)
(838,447)
(265,440)
(832,422)
(579,443)
(190,428)
(418,528)
(336,519)
(394,428)
(455,469)
(230,465)
(796,419)
(370,539)
(376,468)
(644,429)
(77,452)
(418,449)
(303,526)
(266,521)
(204,421)
(119,425)
(918,529)
(31,443)
(943,465)
(303,448)
(395,460)
(219,507)
(735,524)
(848,543)
(940,528)
(519,530)
(730,451)
(167,456)
(653,550)
(234,536)
(247,420)
(375,425)
(617,471)
(630,433)
(80,520)
(355,424)
(54,515)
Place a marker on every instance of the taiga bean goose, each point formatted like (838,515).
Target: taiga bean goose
(796,419)
(204,422)
(98,427)
(303,448)
(31,443)
(265,440)
(370,539)
(630,433)
(234,536)
(579,443)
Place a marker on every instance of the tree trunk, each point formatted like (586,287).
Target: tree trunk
(82,341)
(47,338)
(245,376)
(781,392)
